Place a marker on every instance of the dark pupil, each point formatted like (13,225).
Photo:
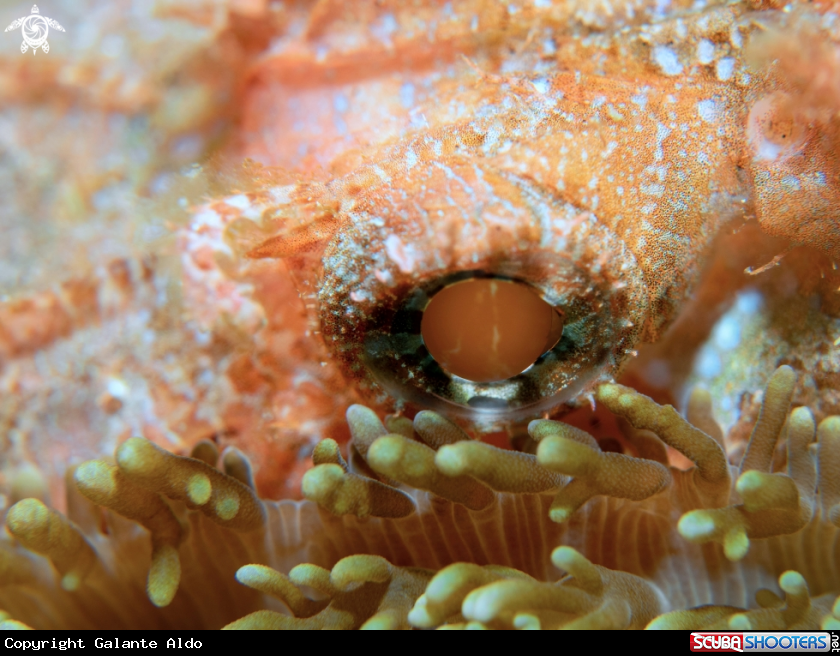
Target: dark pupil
(488,329)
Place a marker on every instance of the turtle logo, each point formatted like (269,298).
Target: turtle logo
(35,29)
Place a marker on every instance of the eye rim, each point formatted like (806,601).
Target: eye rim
(418,378)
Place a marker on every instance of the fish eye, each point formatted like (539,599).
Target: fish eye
(483,344)
(434,347)
(495,313)
(486,330)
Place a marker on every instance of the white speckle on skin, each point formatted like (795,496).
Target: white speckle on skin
(118,388)
(724,68)
(240,201)
(400,254)
(661,172)
(667,60)
(282,195)
(707,109)
(385,28)
(207,217)
(542,85)
(384,277)
(705,51)
(662,133)
(381,174)
(340,103)
(614,114)
(407,95)
(735,36)
(791,182)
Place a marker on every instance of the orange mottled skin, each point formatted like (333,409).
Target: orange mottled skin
(661,134)
(632,121)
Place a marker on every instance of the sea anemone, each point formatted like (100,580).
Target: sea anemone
(427,528)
